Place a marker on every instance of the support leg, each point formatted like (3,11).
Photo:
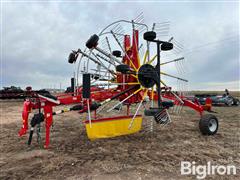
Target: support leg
(48,123)
(25,114)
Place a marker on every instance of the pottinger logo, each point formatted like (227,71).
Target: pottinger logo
(201,171)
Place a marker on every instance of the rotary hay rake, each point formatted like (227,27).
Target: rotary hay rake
(123,75)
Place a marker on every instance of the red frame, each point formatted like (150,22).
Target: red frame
(99,94)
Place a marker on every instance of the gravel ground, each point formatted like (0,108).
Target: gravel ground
(143,155)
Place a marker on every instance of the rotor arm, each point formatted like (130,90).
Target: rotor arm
(173,76)
(97,62)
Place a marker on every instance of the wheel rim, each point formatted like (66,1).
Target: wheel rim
(212,125)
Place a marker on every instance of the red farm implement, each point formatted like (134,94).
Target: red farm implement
(123,77)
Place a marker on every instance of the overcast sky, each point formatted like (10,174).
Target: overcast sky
(37,38)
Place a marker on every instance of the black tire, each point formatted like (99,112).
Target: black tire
(167,104)
(230,102)
(117,53)
(236,102)
(149,35)
(72,58)
(46,93)
(208,124)
(95,76)
(151,111)
(123,68)
(92,41)
(77,107)
(95,106)
(166,46)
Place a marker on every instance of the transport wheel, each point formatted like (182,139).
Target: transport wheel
(123,68)
(208,124)
(166,46)
(149,35)
(236,102)
(229,102)
(72,58)
(117,53)
(92,41)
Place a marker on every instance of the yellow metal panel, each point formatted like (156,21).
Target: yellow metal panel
(113,127)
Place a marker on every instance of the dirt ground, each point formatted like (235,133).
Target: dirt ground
(143,155)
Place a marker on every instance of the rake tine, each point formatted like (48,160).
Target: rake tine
(116,26)
(185,65)
(105,59)
(173,109)
(140,28)
(177,46)
(139,18)
(178,107)
(153,27)
(141,31)
(162,34)
(139,106)
(140,22)
(161,23)
(151,124)
(109,47)
(180,46)
(178,43)
(125,99)
(176,52)
(140,14)
(170,120)
(174,77)
(180,68)
(162,28)
(110,60)
(107,55)
(177,49)
(140,47)
(176,65)
(162,31)
(97,62)
(89,113)
(118,30)
(174,60)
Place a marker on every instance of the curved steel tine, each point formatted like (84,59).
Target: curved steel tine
(165,22)
(89,114)
(134,116)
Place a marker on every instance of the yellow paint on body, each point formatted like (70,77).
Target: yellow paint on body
(114,127)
